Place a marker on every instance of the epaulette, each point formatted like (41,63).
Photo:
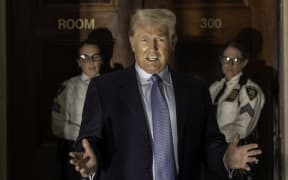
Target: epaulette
(251,92)
(232,96)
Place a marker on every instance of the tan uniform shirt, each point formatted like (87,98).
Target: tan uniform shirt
(238,109)
(68,106)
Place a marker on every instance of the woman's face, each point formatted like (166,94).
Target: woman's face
(90,60)
(232,62)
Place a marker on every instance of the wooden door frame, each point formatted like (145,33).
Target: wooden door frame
(3,134)
(283,67)
(3,119)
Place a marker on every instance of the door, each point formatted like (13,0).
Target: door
(205,26)
(43,36)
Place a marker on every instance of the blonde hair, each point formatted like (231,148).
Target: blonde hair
(163,17)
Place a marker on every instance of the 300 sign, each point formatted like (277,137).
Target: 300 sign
(210,23)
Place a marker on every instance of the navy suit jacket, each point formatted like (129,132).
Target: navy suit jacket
(114,121)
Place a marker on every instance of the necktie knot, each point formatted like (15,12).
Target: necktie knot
(156,78)
(157,82)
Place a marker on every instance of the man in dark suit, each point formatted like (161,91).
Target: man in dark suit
(119,140)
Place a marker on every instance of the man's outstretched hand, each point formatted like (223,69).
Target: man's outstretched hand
(237,157)
(85,162)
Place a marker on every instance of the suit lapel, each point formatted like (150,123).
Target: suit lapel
(130,94)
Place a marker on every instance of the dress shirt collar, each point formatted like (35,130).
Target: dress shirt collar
(145,77)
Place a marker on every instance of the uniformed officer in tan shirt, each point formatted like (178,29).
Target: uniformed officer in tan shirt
(238,100)
(68,106)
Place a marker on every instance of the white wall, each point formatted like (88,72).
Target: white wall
(3,143)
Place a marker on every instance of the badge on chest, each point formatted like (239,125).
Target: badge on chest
(233,95)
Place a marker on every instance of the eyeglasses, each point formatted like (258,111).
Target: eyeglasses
(85,58)
(230,60)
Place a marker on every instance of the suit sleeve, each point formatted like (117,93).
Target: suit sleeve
(92,121)
(215,141)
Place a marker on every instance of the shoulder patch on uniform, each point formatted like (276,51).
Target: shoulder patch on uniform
(251,92)
(232,96)
(247,108)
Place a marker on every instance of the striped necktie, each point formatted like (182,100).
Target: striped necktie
(162,134)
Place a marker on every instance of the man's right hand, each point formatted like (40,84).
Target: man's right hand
(85,162)
(237,157)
